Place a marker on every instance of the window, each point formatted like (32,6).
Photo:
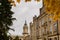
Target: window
(46,30)
(50,19)
(50,28)
(42,21)
(55,26)
(43,31)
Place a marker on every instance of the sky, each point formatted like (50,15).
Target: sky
(24,11)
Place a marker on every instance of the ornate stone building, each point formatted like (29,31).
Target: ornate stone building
(33,28)
(44,28)
(48,29)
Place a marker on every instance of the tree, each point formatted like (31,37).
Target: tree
(53,7)
(5,19)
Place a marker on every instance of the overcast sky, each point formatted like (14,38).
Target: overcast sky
(24,11)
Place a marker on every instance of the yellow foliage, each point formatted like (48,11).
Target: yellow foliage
(37,0)
(47,3)
(53,6)
(18,1)
(54,18)
(47,9)
(27,0)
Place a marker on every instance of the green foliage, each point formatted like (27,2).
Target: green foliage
(5,19)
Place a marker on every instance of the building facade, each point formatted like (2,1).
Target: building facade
(44,27)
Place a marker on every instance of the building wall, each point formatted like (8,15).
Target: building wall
(27,37)
(44,27)
(33,29)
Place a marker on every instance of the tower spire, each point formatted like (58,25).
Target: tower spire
(25,22)
(25,29)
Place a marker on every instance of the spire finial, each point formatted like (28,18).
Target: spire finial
(25,22)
